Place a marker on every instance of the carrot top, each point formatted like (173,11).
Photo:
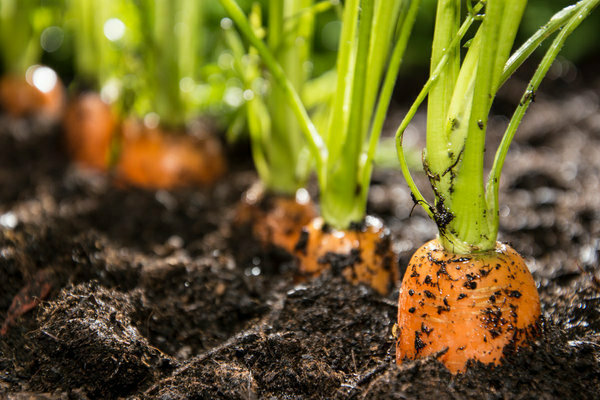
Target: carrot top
(374,35)
(460,97)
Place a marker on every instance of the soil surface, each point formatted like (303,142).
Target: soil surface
(113,292)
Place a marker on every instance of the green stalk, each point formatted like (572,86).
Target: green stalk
(405,24)
(467,213)
(344,164)
(338,204)
(314,140)
(19,38)
(446,28)
(343,200)
(576,15)
(470,228)
(169,50)
(292,51)
(95,57)
(434,76)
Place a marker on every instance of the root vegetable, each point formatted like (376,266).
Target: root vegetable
(468,307)
(362,253)
(154,159)
(89,126)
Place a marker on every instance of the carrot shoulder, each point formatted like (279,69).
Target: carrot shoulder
(362,254)
(465,307)
(154,159)
(273,219)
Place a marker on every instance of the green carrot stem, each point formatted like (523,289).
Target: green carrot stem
(470,228)
(434,76)
(315,141)
(576,16)
(406,24)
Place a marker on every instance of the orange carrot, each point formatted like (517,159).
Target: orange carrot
(40,92)
(155,159)
(89,125)
(362,253)
(467,307)
(275,220)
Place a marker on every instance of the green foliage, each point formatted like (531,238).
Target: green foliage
(21,24)
(465,210)
(374,35)
(277,142)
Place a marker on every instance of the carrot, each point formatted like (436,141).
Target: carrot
(275,220)
(465,296)
(89,126)
(40,92)
(154,158)
(468,307)
(362,253)
(373,39)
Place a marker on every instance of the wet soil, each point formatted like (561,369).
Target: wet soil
(113,292)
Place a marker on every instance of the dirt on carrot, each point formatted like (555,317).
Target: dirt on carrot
(462,308)
(275,220)
(362,254)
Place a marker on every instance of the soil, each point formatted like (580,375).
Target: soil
(113,292)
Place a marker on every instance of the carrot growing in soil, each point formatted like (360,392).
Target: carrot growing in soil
(277,207)
(25,87)
(160,146)
(90,122)
(374,35)
(466,296)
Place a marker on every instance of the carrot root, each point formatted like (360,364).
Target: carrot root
(89,125)
(469,307)
(153,159)
(275,220)
(362,254)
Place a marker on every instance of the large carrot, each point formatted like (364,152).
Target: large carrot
(464,295)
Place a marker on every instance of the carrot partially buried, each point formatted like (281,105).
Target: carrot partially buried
(465,296)
(38,92)
(372,44)
(467,307)
(156,159)
(275,220)
(89,127)
(362,253)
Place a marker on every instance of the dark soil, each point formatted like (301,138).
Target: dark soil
(111,292)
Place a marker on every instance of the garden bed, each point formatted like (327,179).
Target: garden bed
(155,295)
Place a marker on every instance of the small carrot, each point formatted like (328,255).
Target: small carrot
(89,126)
(372,43)
(362,253)
(40,92)
(470,307)
(275,220)
(153,158)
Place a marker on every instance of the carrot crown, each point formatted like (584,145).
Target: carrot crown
(374,34)
(460,97)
